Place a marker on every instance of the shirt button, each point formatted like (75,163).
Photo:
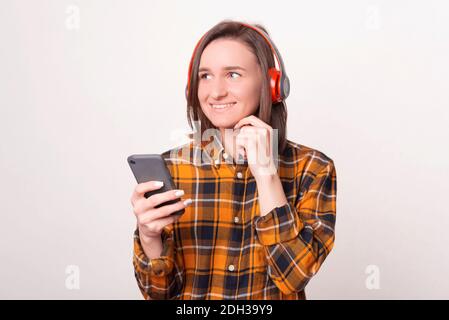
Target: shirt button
(239,175)
(236,219)
(231,267)
(225,155)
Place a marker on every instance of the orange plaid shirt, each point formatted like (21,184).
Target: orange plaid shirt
(221,248)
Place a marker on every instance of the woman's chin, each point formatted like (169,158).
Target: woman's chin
(224,124)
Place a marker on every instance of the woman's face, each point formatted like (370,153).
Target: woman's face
(230,82)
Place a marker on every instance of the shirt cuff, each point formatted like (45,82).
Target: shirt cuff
(279,225)
(157,267)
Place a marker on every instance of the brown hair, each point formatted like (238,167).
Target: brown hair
(273,114)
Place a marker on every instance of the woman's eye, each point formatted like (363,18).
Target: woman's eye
(203,75)
(234,73)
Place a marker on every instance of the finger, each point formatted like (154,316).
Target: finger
(162,212)
(143,204)
(140,206)
(258,126)
(144,187)
(264,152)
(246,132)
(255,142)
(158,198)
(167,210)
(251,131)
(241,146)
(260,135)
(252,120)
(243,122)
(251,151)
(159,225)
(166,221)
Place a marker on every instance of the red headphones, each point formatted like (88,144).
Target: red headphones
(279,82)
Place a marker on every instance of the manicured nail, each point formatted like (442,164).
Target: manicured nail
(158,183)
(179,193)
(187,202)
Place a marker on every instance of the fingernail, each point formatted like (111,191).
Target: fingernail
(158,183)
(179,193)
(187,202)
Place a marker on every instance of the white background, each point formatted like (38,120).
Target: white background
(84,84)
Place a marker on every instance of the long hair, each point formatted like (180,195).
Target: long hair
(273,114)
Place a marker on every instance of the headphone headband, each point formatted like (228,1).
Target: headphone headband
(273,47)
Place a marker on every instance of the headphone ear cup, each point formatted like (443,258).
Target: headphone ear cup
(284,87)
(274,75)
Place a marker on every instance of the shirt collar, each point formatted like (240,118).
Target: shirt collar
(213,152)
(213,148)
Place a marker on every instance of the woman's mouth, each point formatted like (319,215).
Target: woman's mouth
(221,107)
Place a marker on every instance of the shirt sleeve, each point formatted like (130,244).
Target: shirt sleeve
(158,278)
(297,239)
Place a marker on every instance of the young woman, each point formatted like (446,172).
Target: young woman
(252,229)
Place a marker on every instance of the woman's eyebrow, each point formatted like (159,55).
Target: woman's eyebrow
(224,68)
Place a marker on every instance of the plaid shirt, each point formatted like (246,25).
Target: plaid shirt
(221,248)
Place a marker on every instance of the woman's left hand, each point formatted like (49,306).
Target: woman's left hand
(253,142)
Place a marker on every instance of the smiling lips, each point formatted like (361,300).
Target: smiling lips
(222,105)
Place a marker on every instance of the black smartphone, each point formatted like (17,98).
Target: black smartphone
(152,167)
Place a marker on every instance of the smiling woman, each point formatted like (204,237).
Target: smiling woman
(255,229)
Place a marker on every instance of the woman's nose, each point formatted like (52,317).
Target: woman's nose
(219,89)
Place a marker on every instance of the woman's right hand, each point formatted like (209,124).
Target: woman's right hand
(150,220)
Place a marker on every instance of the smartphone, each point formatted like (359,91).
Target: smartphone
(152,167)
